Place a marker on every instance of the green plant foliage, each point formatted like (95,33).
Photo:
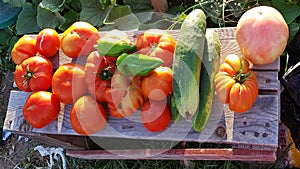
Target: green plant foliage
(48,19)
(93,12)
(27,20)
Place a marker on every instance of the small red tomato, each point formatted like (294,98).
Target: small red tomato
(23,49)
(156,115)
(68,82)
(47,42)
(87,116)
(34,74)
(41,108)
(158,84)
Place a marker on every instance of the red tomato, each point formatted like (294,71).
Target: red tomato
(23,49)
(79,39)
(41,108)
(158,84)
(124,98)
(87,116)
(98,72)
(47,42)
(68,82)
(34,74)
(157,43)
(156,115)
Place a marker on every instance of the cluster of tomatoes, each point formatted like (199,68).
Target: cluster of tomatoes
(91,86)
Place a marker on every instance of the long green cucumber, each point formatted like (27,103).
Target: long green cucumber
(209,68)
(187,63)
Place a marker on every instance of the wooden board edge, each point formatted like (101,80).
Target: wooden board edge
(178,154)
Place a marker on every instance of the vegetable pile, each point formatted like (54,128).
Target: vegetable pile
(163,78)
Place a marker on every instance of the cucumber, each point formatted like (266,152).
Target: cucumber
(209,68)
(187,63)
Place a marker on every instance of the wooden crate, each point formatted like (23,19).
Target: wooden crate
(253,136)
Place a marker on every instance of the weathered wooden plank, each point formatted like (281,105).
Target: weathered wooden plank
(183,154)
(258,126)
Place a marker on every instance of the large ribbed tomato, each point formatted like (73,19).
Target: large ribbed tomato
(262,34)
(34,74)
(157,43)
(236,84)
(124,98)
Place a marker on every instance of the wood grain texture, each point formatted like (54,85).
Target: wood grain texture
(183,154)
(258,126)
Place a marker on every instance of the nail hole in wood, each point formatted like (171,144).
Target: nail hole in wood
(220,131)
(267,124)
(265,134)
(10,123)
(268,80)
(256,134)
(243,132)
(244,123)
(127,127)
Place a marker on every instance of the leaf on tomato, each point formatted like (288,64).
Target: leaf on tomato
(92,12)
(52,5)
(48,19)
(27,20)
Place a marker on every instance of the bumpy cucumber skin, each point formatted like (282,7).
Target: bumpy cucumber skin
(187,63)
(209,68)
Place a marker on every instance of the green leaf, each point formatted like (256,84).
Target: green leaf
(160,24)
(27,20)
(288,10)
(93,12)
(293,29)
(74,4)
(105,3)
(16,3)
(122,18)
(5,35)
(291,13)
(139,6)
(52,5)
(48,19)
(118,12)
(70,18)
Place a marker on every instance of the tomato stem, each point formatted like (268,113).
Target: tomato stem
(105,74)
(241,77)
(29,74)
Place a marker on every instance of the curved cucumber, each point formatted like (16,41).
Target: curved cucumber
(209,68)
(187,63)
